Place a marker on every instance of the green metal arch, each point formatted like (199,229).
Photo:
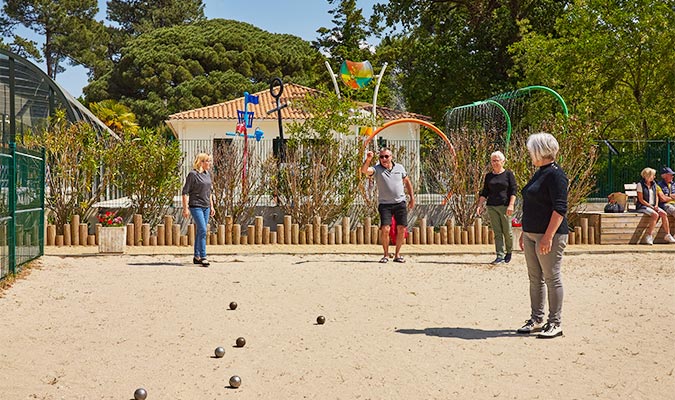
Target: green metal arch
(495,101)
(508,123)
(507,118)
(549,90)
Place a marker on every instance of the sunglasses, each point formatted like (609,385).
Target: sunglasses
(384,156)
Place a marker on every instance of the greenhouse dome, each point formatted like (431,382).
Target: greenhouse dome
(28,97)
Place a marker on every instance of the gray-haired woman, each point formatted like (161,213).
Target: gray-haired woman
(499,193)
(544,236)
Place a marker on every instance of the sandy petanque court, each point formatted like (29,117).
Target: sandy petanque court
(437,327)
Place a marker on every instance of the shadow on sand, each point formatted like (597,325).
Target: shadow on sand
(157,264)
(360,261)
(461,333)
(450,262)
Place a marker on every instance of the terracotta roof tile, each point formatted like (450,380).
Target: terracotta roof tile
(389,114)
(292,91)
(228,109)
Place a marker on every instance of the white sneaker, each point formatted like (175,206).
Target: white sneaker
(669,238)
(550,331)
(531,326)
(649,239)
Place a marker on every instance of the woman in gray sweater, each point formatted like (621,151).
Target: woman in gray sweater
(198,202)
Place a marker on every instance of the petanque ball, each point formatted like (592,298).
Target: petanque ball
(140,394)
(320,320)
(241,342)
(233,305)
(235,381)
(220,352)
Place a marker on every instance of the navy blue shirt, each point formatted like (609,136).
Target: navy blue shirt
(544,193)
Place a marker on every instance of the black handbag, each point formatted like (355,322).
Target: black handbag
(613,207)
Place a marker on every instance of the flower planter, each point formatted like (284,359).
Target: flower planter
(112,239)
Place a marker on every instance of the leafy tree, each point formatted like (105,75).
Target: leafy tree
(135,17)
(146,167)
(174,69)
(451,53)
(115,116)
(347,40)
(75,154)
(68,27)
(23,47)
(613,61)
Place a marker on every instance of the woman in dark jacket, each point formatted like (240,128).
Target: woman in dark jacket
(544,236)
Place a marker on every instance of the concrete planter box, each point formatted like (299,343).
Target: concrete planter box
(112,239)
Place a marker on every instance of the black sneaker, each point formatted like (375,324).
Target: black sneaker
(205,262)
(507,258)
(550,331)
(196,260)
(531,326)
(498,260)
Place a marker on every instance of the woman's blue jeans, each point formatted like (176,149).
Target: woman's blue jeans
(200,216)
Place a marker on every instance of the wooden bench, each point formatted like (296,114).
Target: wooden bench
(623,228)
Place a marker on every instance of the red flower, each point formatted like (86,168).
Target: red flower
(110,219)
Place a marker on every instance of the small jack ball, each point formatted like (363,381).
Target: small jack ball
(233,305)
(241,342)
(235,381)
(320,320)
(140,394)
(220,352)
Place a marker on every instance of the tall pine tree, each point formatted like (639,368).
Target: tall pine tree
(135,17)
(68,28)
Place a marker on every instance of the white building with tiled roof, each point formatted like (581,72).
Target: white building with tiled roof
(201,129)
(215,121)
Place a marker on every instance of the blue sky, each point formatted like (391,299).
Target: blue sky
(299,17)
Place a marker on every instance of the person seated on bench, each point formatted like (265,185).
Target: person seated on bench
(667,197)
(647,203)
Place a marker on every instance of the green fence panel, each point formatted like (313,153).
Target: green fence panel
(6,221)
(621,161)
(22,212)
